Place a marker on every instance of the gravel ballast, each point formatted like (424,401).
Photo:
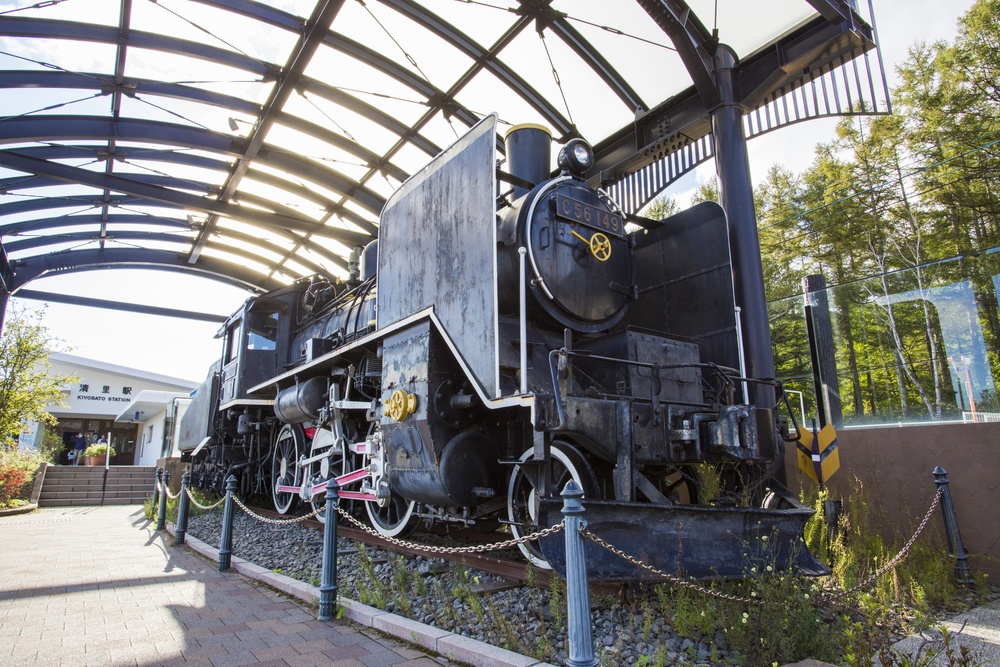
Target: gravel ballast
(457,599)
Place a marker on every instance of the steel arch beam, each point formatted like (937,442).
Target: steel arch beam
(694,43)
(15,229)
(53,297)
(372,160)
(124,154)
(598,63)
(20,26)
(130,86)
(22,245)
(26,226)
(87,201)
(17,183)
(484,58)
(372,113)
(136,155)
(34,268)
(375,60)
(47,128)
(84,237)
(260,12)
(173,197)
(92,237)
(311,37)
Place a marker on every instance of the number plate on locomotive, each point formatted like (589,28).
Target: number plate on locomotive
(591,216)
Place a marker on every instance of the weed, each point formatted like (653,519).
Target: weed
(647,619)
(375,593)
(557,597)
(401,585)
(868,647)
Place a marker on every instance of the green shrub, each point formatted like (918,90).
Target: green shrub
(97,450)
(17,472)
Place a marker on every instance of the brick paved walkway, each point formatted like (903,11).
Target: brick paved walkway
(98,586)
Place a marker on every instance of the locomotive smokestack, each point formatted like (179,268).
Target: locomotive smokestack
(529,154)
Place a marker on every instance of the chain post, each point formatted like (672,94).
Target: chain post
(955,546)
(161,517)
(328,584)
(581,644)
(226,543)
(182,509)
(157,478)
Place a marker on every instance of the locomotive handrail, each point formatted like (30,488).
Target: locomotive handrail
(724,372)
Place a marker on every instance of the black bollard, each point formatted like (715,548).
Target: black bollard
(157,478)
(955,546)
(161,518)
(328,584)
(226,545)
(182,509)
(581,643)
(832,509)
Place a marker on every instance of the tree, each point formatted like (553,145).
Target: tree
(27,384)
(662,207)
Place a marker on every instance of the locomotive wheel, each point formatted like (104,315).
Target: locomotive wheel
(288,445)
(327,468)
(680,486)
(523,499)
(392,517)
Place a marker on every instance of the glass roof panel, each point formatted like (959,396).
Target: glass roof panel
(103,12)
(228,115)
(66,55)
(197,22)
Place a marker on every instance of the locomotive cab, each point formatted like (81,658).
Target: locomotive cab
(250,352)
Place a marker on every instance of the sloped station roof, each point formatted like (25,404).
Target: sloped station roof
(257,142)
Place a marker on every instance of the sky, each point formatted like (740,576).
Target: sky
(185,349)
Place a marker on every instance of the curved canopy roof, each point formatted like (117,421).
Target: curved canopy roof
(257,142)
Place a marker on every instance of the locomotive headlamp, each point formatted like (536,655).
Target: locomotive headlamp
(577,157)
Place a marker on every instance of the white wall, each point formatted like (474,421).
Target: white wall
(148,447)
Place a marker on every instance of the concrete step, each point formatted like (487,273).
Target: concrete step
(83,471)
(75,502)
(81,485)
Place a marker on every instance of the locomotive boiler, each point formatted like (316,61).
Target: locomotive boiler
(511,330)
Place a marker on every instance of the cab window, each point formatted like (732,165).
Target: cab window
(232,342)
(262,331)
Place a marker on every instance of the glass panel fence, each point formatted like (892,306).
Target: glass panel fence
(911,346)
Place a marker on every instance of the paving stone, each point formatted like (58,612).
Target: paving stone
(156,604)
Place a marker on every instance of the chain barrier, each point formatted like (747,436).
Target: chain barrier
(276,522)
(166,490)
(199,505)
(897,559)
(674,579)
(479,548)
(500,546)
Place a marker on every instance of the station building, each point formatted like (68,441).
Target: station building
(141,411)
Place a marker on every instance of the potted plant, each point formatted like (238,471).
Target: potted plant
(94,454)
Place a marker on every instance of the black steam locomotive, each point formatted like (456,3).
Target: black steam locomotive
(510,331)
